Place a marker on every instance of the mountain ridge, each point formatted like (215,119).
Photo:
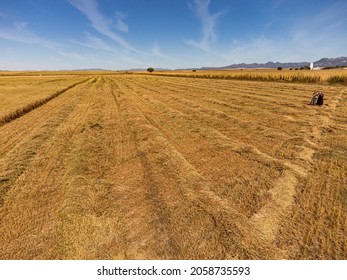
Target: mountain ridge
(323,62)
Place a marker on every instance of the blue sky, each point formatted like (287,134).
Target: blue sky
(125,34)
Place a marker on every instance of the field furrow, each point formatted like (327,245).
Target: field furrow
(127,166)
(41,179)
(182,198)
(21,140)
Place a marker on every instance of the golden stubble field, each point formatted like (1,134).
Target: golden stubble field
(130,166)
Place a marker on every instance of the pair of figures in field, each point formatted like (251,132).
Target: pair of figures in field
(317,98)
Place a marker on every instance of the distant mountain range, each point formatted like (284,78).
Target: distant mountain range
(90,69)
(330,62)
(324,62)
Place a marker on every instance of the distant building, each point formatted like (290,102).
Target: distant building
(314,68)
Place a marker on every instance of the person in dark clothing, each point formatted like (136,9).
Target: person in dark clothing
(320,99)
(314,98)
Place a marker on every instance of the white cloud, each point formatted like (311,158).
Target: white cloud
(21,34)
(95,43)
(260,49)
(73,55)
(101,23)
(120,24)
(327,24)
(157,52)
(208,22)
(303,39)
(20,25)
(98,43)
(321,34)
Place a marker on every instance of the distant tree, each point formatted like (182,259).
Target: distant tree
(279,68)
(150,69)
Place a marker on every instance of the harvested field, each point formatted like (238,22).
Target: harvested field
(127,166)
(20,91)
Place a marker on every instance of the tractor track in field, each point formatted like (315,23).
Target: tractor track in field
(20,147)
(196,113)
(44,120)
(39,184)
(148,167)
(267,220)
(30,107)
(176,169)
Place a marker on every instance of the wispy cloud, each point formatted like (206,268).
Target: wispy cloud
(20,25)
(72,55)
(21,34)
(157,52)
(260,49)
(208,22)
(103,24)
(329,23)
(331,36)
(120,24)
(95,43)
(276,4)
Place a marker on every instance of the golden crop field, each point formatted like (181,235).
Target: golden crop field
(153,166)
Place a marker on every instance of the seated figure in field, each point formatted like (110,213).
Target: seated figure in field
(320,99)
(317,98)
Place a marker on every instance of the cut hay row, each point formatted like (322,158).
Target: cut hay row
(58,179)
(18,152)
(317,226)
(154,167)
(28,108)
(174,183)
(17,91)
(298,148)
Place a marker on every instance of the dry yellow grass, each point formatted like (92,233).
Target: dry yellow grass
(154,167)
(19,91)
(337,76)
